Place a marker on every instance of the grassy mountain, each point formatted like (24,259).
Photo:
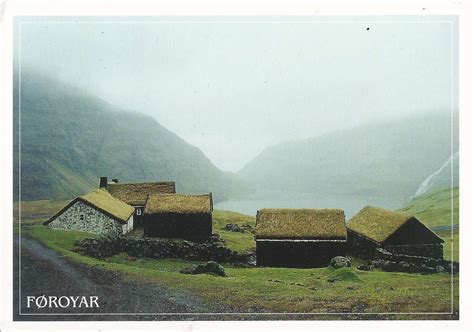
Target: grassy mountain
(434,207)
(388,159)
(70,138)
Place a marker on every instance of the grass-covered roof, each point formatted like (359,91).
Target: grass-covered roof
(377,223)
(178,203)
(104,201)
(136,193)
(300,224)
(101,200)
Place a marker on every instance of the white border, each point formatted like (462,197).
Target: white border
(230,21)
(463,9)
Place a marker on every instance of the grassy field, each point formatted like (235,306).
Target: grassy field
(34,212)
(270,289)
(234,240)
(434,209)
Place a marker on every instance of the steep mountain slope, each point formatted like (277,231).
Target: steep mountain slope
(69,139)
(383,159)
(442,178)
(434,208)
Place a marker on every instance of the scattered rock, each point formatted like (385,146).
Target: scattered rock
(377,263)
(391,288)
(439,269)
(428,269)
(453,266)
(236,228)
(350,288)
(363,267)
(233,228)
(404,267)
(301,285)
(389,266)
(331,280)
(340,262)
(208,267)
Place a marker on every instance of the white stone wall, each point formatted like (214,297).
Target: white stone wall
(128,226)
(93,221)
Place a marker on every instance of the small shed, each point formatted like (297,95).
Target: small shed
(299,237)
(135,194)
(374,227)
(96,212)
(178,216)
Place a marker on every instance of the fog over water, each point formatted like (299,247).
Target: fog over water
(236,86)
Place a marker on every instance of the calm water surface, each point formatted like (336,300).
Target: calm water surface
(350,204)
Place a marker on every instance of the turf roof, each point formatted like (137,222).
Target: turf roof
(104,202)
(178,203)
(137,193)
(300,224)
(377,223)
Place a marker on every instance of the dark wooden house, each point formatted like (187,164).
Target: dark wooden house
(373,228)
(299,237)
(178,216)
(135,194)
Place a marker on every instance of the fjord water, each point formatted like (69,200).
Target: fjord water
(351,204)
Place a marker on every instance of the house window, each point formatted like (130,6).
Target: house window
(139,212)
(81,216)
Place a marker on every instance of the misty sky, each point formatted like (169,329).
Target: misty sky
(235,86)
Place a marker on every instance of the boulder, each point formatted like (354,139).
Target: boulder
(378,263)
(363,267)
(389,266)
(208,267)
(233,228)
(439,269)
(340,262)
(427,269)
(404,267)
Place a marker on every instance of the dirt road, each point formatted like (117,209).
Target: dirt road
(45,272)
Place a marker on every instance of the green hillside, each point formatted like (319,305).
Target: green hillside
(434,209)
(387,159)
(70,138)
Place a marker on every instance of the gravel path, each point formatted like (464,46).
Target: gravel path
(45,272)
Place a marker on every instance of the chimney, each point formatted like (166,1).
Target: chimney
(103,182)
(115,180)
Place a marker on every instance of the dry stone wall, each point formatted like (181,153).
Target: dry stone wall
(84,218)
(164,248)
(426,250)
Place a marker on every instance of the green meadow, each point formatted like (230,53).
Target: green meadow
(434,210)
(280,290)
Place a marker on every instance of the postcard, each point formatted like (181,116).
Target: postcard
(235,167)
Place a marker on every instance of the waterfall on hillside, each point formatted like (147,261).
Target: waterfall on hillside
(433,179)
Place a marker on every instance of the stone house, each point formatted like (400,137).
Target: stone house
(374,227)
(135,194)
(95,212)
(178,216)
(299,237)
